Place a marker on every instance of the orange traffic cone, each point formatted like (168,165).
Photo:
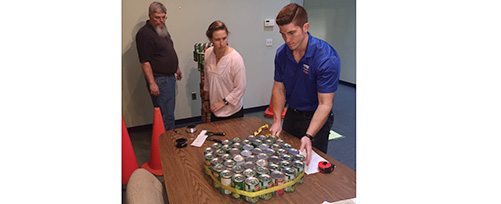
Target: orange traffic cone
(129,161)
(269,111)
(154,166)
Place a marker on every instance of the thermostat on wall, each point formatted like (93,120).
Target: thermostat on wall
(269,22)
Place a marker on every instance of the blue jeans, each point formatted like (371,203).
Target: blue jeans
(166,101)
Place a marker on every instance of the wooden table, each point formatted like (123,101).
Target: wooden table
(186,181)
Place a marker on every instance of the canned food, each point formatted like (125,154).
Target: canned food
(281,151)
(239,159)
(216,146)
(251,138)
(279,142)
(236,140)
(252,185)
(273,138)
(299,157)
(263,146)
(234,151)
(225,157)
(278,179)
(249,165)
(275,146)
(238,169)
(286,146)
(293,151)
(262,137)
(262,156)
(215,161)
(273,167)
(226,181)
(248,147)
(246,141)
(290,174)
(257,151)
(229,164)
(238,183)
(256,142)
(274,159)
(266,182)
(269,142)
(245,153)
(262,170)
(262,162)
(226,142)
(220,152)
(226,147)
(208,157)
(286,157)
(236,145)
(249,173)
(251,158)
(269,152)
(284,163)
(299,166)
(208,150)
(216,172)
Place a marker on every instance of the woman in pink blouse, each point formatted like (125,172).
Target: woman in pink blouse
(225,79)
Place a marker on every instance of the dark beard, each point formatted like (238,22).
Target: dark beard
(162,31)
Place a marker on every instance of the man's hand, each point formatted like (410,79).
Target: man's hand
(306,145)
(276,128)
(216,106)
(179,75)
(154,91)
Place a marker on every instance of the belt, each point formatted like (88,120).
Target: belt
(300,111)
(161,75)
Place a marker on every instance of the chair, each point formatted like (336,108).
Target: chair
(144,187)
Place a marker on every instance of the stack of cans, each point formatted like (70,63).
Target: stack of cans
(253,164)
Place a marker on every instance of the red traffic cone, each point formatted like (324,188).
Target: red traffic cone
(154,166)
(269,111)
(129,161)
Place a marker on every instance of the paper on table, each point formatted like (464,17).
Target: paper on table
(199,141)
(347,201)
(313,167)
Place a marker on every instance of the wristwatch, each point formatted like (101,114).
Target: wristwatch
(225,102)
(309,136)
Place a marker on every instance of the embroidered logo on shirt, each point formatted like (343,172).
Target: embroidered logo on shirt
(306,68)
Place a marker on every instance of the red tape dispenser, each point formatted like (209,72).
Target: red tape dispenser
(325,167)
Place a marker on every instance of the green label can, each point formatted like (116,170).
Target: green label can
(238,183)
(266,183)
(290,174)
(252,185)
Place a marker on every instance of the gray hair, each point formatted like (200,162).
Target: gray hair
(157,7)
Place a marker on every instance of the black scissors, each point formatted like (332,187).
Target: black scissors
(215,134)
(208,133)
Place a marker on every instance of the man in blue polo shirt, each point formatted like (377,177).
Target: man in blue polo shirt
(306,77)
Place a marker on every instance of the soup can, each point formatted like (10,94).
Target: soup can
(252,185)
(226,181)
(266,182)
(238,183)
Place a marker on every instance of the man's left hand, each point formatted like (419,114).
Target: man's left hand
(179,75)
(306,145)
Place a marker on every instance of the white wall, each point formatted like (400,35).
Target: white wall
(334,22)
(187,22)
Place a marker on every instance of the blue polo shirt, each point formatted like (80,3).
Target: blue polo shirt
(316,72)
